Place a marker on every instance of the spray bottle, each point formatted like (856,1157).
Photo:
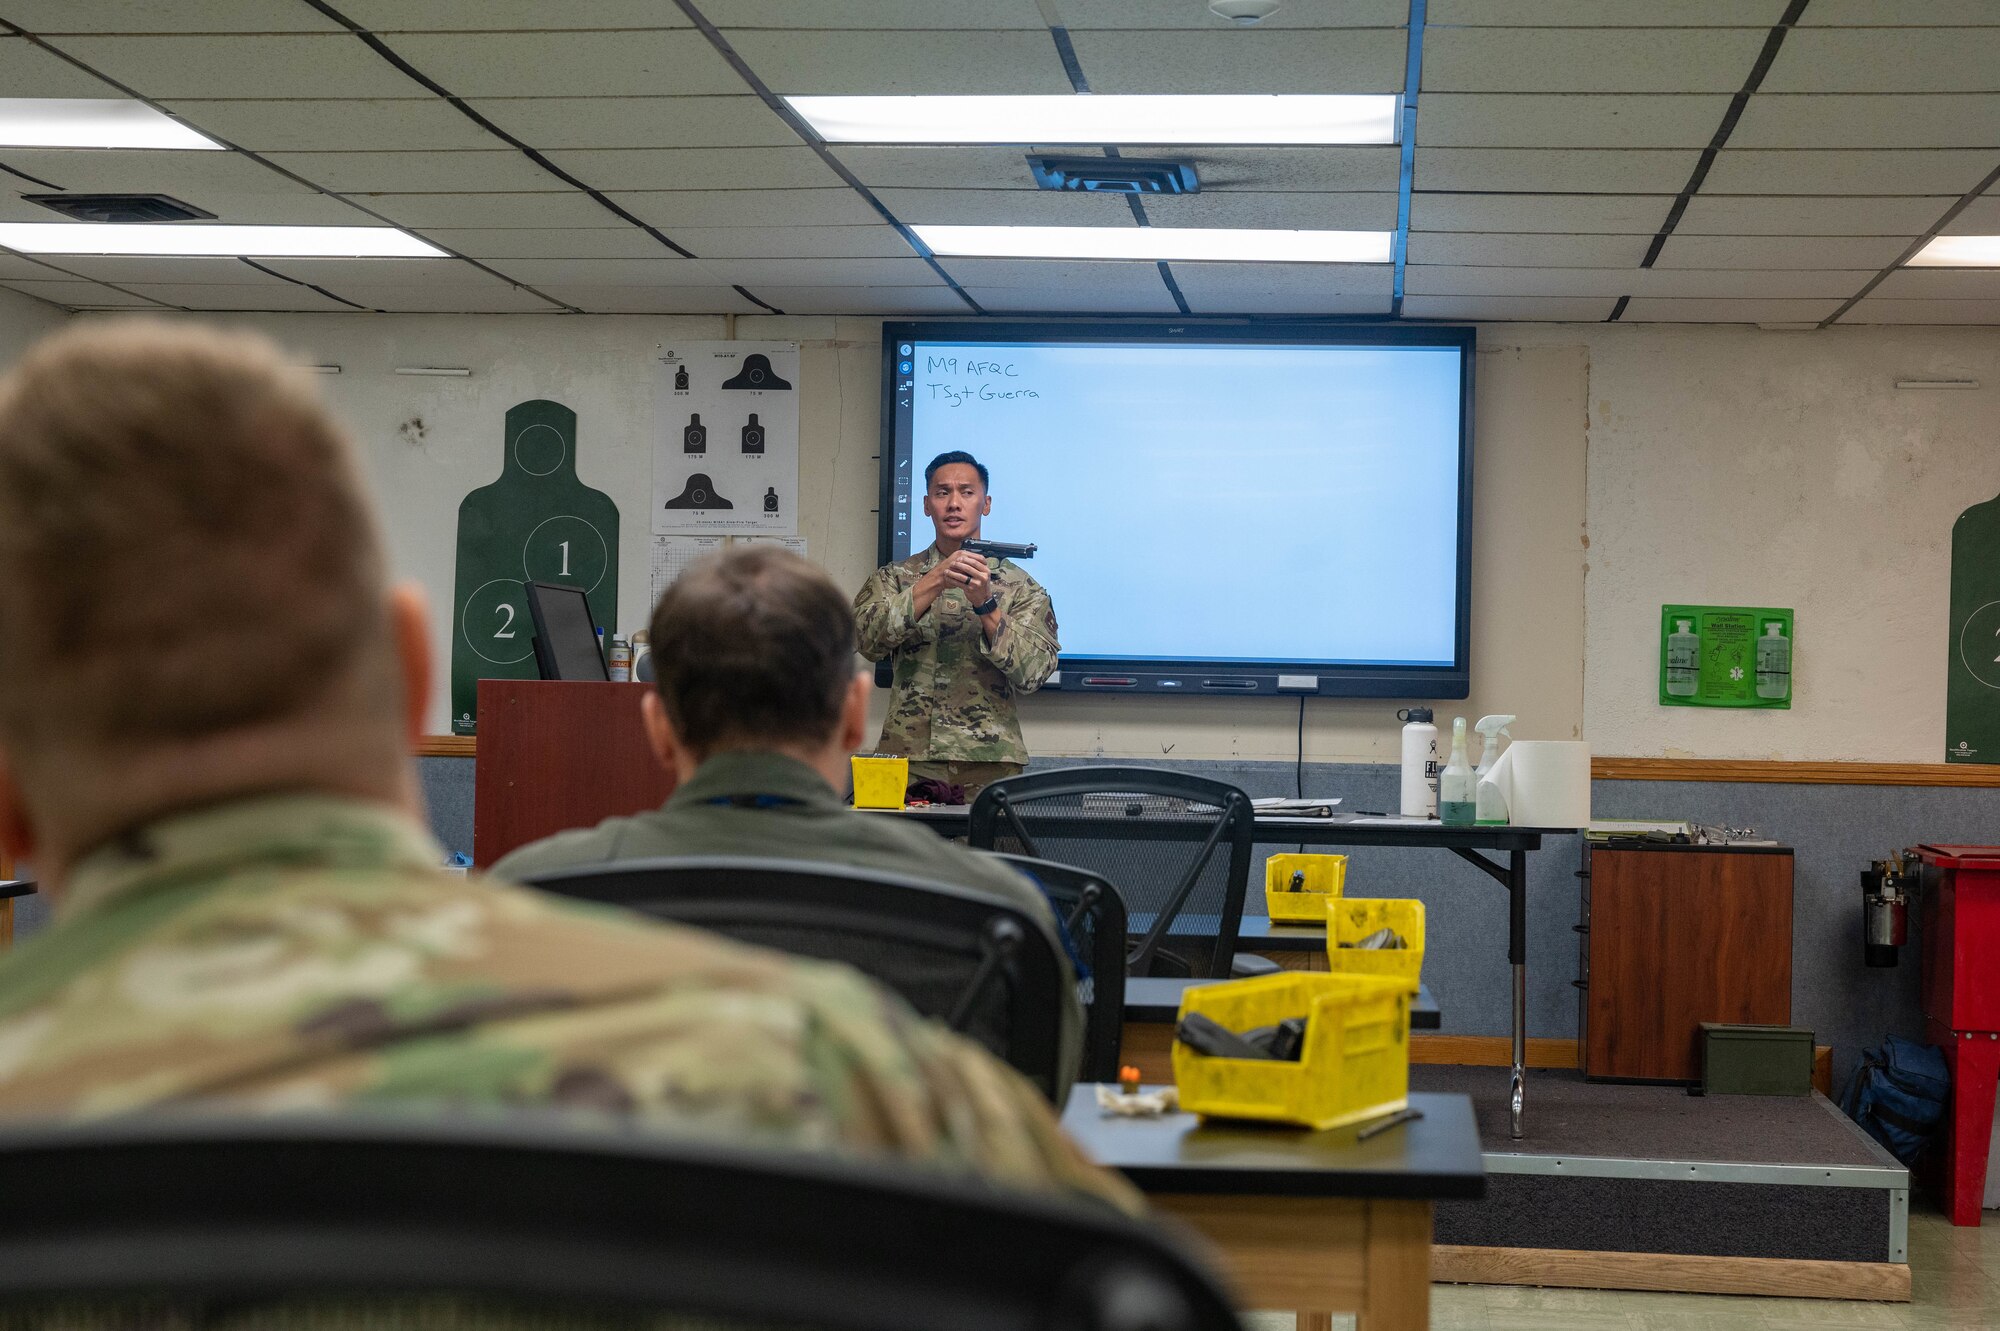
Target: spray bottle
(1420,763)
(1456,800)
(1492,809)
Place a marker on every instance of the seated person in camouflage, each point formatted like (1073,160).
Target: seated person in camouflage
(756,707)
(965,635)
(207,697)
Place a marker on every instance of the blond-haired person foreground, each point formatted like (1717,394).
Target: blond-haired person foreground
(207,692)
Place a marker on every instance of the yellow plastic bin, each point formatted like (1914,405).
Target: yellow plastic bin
(880,781)
(1355,1065)
(1325,876)
(1352,919)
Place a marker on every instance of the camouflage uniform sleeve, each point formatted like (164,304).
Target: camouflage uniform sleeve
(885,615)
(1025,652)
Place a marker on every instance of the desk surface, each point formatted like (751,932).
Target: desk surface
(1340,830)
(1435,1157)
(1148,998)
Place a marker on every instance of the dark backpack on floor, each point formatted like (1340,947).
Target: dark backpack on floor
(1899,1094)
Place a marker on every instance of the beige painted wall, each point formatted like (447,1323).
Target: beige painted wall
(23,319)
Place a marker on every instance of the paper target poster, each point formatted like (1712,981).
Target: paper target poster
(726,460)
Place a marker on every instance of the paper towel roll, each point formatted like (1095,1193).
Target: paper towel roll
(1545,782)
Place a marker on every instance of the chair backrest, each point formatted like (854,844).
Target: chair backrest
(1093,913)
(169,1220)
(979,963)
(1175,845)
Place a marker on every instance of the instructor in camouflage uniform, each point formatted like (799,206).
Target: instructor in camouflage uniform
(966,633)
(207,698)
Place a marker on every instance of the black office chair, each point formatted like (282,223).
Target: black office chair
(1175,844)
(979,963)
(374,1220)
(1094,915)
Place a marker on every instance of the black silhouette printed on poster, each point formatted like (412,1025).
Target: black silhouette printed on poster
(757,374)
(711,392)
(699,492)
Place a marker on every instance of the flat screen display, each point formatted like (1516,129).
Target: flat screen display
(1212,508)
(565,636)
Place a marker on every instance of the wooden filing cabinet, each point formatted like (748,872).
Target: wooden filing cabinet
(1673,936)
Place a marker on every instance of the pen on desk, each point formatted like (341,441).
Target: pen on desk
(1394,1120)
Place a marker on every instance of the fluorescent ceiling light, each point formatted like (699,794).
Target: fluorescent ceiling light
(1959,252)
(1066,118)
(67,122)
(269,242)
(1158,242)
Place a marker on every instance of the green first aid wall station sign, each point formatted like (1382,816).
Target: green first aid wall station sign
(1972,671)
(1725,656)
(537,523)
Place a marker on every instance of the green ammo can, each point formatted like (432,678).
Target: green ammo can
(1756,1060)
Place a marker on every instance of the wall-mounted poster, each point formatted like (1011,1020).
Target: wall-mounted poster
(539,523)
(1725,656)
(1972,663)
(727,457)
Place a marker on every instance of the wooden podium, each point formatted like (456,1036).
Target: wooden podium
(556,755)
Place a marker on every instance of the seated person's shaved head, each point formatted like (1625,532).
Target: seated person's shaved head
(207,695)
(192,598)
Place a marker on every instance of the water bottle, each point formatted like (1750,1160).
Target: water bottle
(1420,763)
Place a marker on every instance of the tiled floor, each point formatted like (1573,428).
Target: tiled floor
(1955,1274)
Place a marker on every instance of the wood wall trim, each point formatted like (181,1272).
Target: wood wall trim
(1795,773)
(447,746)
(1796,1278)
(1491,1051)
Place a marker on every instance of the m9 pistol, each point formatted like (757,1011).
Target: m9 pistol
(998,549)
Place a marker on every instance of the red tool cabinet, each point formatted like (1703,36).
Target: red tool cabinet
(1961,988)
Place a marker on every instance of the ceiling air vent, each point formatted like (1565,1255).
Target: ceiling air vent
(119,207)
(1114,175)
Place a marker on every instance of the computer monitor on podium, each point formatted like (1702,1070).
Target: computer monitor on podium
(565,635)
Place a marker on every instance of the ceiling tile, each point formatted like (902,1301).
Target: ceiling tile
(1240,60)
(1528,120)
(1877,311)
(52,16)
(499,171)
(1508,309)
(270,294)
(1153,299)
(270,125)
(885,62)
(1874,14)
(759,273)
(618,240)
(673,209)
(18,265)
(1765,252)
(500,15)
(492,298)
(127,269)
(289,65)
(935,299)
(1980,218)
(639,122)
(336,273)
(883,14)
(622,169)
(1806,171)
(1622,60)
(262,208)
(1939,284)
(1466,247)
(1013,207)
(80,295)
(26,70)
(1948,120)
(1887,60)
(667,270)
(564,64)
(1258,169)
(1654,309)
(1053,276)
(1542,170)
(1085,15)
(1809,215)
(565,208)
(1566,213)
(1293,210)
(620,299)
(183,174)
(795,242)
(1598,14)
(1439,280)
(1285,288)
